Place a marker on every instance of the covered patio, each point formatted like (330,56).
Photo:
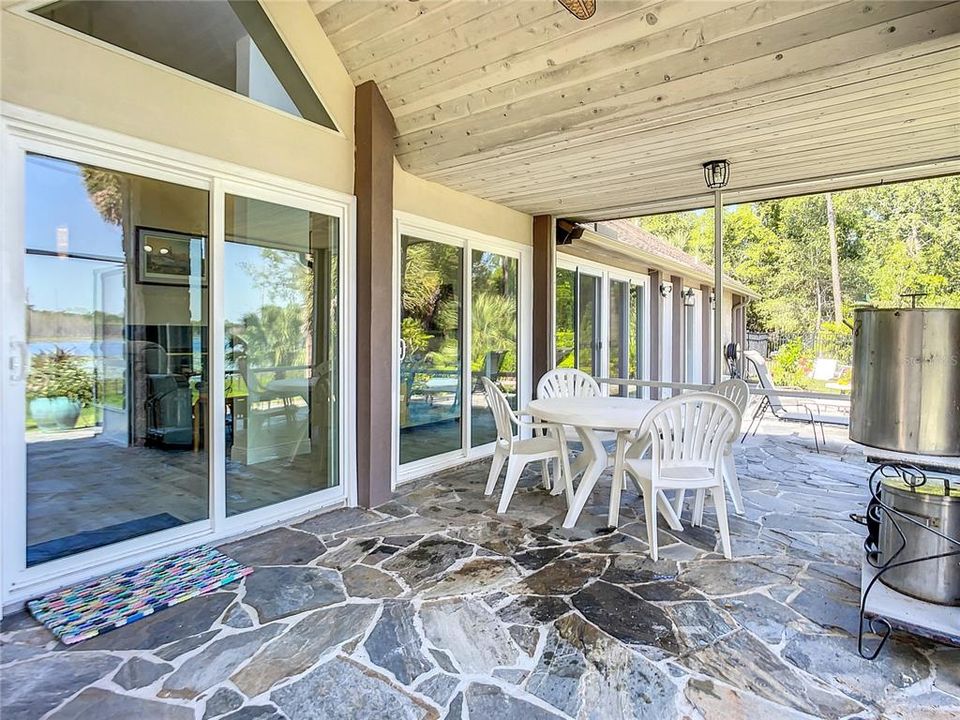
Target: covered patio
(385,583)
(434,606)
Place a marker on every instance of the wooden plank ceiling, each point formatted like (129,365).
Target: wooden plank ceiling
(519,102)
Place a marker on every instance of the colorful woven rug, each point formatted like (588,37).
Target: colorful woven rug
(98,606)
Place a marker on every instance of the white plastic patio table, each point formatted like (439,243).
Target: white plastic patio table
(588,415)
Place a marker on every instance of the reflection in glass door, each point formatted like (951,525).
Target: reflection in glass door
(588,323)
(494,285)
(431,376)
(565,321)
(638,312)
(280,334)
(619,336)
(115,273)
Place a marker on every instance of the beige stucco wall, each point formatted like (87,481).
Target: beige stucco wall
(438,202)
(50,70)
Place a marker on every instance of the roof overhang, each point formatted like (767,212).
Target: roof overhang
(520,103)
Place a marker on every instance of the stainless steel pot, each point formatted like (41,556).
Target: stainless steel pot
(905,393)
(935,505)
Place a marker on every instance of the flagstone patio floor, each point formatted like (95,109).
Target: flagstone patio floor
(434,606)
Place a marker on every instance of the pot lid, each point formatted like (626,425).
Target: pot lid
(933,486)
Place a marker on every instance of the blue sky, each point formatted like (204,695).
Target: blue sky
(57,202)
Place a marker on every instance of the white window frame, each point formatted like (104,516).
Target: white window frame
(22,131)
(469,240)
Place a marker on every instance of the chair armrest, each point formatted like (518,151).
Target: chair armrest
(539,425)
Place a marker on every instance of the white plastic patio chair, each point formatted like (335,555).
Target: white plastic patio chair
(570,383)
(517,453)
(567,383)
(737,392)
(687,435)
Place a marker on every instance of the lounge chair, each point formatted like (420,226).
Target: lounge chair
(807,411)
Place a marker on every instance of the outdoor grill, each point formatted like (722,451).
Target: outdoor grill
(905,403)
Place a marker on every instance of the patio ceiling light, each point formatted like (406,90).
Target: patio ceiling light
(582,9)
(716,173)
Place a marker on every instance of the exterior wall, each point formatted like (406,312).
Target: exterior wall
(54,71)
(437,202)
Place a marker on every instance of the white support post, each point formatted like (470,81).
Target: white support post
(718,285)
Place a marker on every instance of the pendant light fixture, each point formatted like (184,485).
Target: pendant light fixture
(581,9)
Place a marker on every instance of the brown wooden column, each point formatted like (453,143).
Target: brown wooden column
(676,329)
(706,318)
(373,186)
(544,280)
(656,327)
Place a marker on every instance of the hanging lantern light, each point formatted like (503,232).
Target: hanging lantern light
(716,173)
(582,9)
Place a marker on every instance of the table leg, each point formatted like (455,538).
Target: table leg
(616,487)
(596,464)
(585,457)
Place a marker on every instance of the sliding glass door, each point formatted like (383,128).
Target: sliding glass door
(600,323)
(172,359)
(588,323)
(116,315)
(459,321)
(618,342)
(431,378)
(281,360)
(494,335)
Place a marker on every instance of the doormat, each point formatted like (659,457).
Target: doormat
(95,607)
(90,539)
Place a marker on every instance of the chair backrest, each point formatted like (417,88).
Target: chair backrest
(766,379)
(502,415)
(736,391)
(691,429)
(567,383)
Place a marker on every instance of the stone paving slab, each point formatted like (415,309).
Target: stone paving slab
(434,606)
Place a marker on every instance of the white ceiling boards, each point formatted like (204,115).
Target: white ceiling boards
(521,103)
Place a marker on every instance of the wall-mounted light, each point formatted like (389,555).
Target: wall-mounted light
(716,173)
(666,289)
(713,300)
(688,298)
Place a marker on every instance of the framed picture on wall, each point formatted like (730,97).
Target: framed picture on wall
(165,257)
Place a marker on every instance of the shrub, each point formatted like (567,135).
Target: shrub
(791,365)
(59,374)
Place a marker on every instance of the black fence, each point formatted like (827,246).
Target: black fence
(821,345)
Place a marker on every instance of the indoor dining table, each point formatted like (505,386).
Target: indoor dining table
(590,416)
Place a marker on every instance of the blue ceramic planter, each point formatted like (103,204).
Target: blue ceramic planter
(51,414)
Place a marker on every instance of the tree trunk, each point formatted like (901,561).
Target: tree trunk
(834,260)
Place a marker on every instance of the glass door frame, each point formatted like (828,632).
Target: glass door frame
(468,240)
(25,131)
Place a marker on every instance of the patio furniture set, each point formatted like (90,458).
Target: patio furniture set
(674,445)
